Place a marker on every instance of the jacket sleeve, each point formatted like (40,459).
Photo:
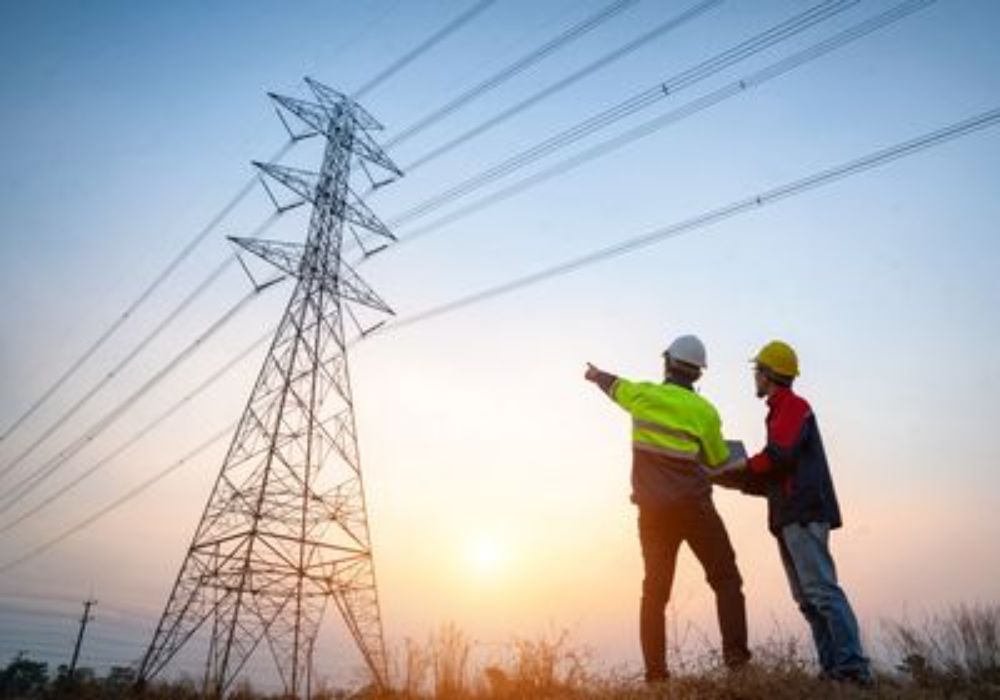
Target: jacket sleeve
(754,484)
(786,433)
(625,393)
(714,450)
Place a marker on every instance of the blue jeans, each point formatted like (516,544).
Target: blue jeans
(805,553)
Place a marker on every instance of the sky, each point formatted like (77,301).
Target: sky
(497,479)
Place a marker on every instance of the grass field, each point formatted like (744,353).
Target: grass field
(954,655)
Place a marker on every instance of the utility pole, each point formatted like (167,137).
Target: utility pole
(285,529)
(87,605)
(309,672)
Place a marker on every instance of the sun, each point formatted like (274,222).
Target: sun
(487,554)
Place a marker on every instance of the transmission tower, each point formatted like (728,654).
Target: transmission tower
(285,530)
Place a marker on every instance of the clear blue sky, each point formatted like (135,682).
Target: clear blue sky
(127,126)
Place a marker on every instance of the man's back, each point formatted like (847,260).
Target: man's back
(673,431)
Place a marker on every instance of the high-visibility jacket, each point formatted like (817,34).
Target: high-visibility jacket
(674,431)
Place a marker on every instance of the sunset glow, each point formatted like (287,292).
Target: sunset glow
(487,555)
(582,182)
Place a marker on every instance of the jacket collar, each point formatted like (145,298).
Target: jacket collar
(677,382)
(778,396)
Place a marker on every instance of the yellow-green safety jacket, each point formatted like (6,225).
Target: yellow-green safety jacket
(674,431)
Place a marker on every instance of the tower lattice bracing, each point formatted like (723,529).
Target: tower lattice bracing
(285,531)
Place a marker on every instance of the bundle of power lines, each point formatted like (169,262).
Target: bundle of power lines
(16,507)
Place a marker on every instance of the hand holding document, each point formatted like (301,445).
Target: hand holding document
(737,460)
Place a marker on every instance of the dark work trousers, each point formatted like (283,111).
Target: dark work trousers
(661,531)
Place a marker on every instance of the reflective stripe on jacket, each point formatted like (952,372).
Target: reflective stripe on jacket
(673,429)
(671,420)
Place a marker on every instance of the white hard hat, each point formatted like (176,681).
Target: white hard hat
(688,349)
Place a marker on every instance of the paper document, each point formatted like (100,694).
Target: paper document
(737,453)
(736,450)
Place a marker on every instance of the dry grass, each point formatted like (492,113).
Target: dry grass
(953,656)
(957,649)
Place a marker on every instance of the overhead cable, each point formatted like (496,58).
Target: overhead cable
(132,308)
(421,48)
(655,124)
(576,31)
(785,30)
(115,371)
(602,62)
(117,503)
(140,434)
(125,361)
(758,77)
(213,223)
(825,177)
(42,473)
(741,206)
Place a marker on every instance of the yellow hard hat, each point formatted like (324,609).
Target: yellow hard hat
(779,357)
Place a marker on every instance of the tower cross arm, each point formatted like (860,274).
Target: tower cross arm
(364,146)
(301,182)
(332,98)
(315,116)
(358,213)
(353,288)
(285,256)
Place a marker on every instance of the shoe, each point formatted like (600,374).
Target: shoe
(657,678)
(859,678)
(737,661)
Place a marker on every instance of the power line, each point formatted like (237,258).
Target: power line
(202,287)
(40,475)
(131,309)
(602,62)
(772,71)
(736,87)
(825,177)
(423,47)
(451,27)
(732,89)
(785,30)
(5,611)
(67,599)
(139,435)
(212,224)
(742,206)
(367,28)
(576,31)
(114,505)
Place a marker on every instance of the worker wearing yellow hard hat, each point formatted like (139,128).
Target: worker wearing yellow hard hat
(778,358)
(792,472)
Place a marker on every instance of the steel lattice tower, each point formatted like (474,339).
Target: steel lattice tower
(285,529)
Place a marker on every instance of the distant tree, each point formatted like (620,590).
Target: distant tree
(23,677)
(119,680)
(84,684)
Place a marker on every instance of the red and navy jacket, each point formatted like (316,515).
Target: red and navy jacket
(792,470)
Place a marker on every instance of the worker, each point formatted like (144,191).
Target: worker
(673,430)
(792,472)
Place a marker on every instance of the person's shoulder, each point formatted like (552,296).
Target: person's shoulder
(797,403)
(706,405)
